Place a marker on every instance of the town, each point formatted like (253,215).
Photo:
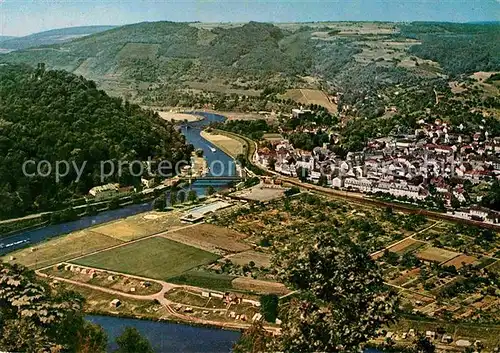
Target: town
(437,167)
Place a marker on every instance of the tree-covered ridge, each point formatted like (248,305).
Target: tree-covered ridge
(458,48)
(171,52)
(56,116)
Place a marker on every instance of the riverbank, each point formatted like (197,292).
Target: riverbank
(228,144)
(179,116)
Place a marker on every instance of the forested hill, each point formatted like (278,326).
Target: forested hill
(54,36)
(55,116)
(180,52)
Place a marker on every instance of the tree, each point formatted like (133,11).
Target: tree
(181,196)
(322,181)
(173,197)
(114,203)
(210,190)
(159,203)
(269,307)
(65,103)
(131,341)
(455,203)
(253,340)
(341,299)
(423,345)
(192,196)
(137,197)
(34,319)
(302,173)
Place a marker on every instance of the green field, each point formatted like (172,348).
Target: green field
(205,280)
(157,258)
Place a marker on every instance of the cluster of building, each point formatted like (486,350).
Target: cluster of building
(431,336)
(437,159)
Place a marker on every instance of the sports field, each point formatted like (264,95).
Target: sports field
(157,258)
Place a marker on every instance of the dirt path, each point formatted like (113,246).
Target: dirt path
(160,297)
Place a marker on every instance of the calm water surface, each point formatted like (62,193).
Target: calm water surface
(167,337)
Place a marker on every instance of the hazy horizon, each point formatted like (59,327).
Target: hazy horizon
(24,17)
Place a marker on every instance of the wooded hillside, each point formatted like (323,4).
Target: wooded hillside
(55,116)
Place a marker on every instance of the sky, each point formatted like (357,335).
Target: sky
(22,17)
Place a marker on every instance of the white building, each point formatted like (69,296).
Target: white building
(104,191)
(363,185)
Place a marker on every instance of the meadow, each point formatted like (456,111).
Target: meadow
(156,257)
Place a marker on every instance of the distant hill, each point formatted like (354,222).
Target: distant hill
(55,36)
(4,38)
(245,59)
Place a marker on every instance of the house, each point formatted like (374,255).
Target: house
(463,343)
(297,113)
(430,334)
(115,303)
(363,185)
(148,183)
(256,317)
(104,191)
(446,339)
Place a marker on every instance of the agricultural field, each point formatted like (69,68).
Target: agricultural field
(406,246)
(141,225)
(281,220)
(258,286)
(204,279)
(460,261)
(243,258)
(157,258)
(432,254)
(311,96)
(62,248)
(211,238)
(138,51)
(435,278)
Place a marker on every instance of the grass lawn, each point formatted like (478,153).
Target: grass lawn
(157,257)
(204,279)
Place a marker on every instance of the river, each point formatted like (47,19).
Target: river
(169,338)
(221,164)
(165,337)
